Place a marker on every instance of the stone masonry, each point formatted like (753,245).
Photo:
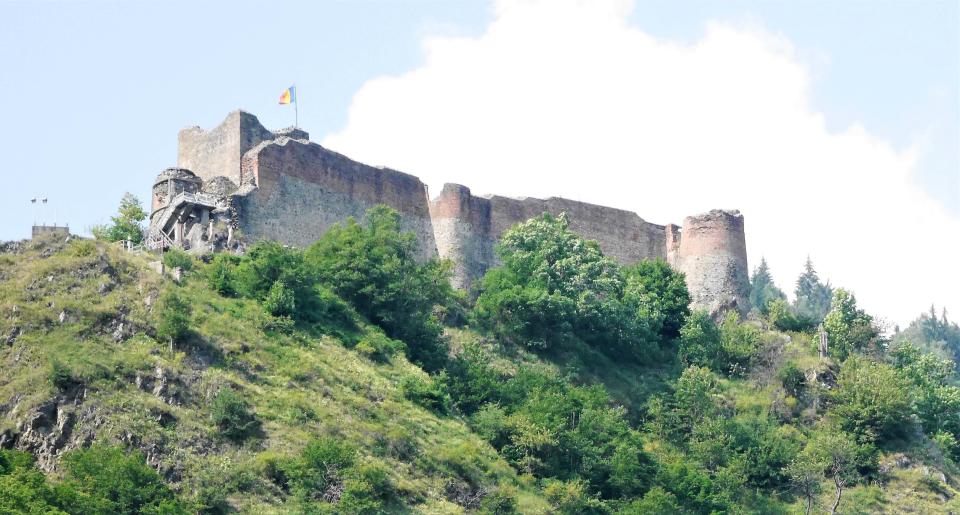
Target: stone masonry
(240,182)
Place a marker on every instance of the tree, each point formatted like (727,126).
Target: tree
(126,225)
(812,296)
(174,316)
(762,288)
(871,399)
(700,341)
(834,453)
(936,398)
(658,295)
(849,328)
(373,266)
(553,286)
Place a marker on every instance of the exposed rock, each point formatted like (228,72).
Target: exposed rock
(15,331)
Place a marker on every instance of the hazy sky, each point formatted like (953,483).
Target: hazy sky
(832,125)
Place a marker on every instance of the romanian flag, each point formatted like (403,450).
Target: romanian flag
(289,95)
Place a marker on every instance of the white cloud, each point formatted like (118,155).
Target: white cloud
(566,98)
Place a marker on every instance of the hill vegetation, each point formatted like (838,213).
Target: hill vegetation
(348,378)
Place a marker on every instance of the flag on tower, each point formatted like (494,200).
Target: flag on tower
(289,95)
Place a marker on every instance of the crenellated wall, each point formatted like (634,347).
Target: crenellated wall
(280,186)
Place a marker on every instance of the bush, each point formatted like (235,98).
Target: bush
(700,341)
(174,315)
(739,345)
(322,464)
(428,393)
(658,294)
(116,481)
(871,400)
(176,258)
(502,501)
(220,273)
(280,300)
(793,379)
(60,375)
(82,248)
(656,501)
(232,416)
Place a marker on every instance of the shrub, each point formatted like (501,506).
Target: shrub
(176,258)
(232,416)
(220,273)
(373,266)
(174,315)
(116,481)
(82,248)
(849,327)
(321,465)
(792,378)
(700,341)
(280,300)
(60,375)
(657,500)
(871,399)
(502,501)
(739,345)
(659,296)
(429,393)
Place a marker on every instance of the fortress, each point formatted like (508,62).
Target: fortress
(241,182)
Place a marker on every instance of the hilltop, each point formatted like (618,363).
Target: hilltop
(351,392)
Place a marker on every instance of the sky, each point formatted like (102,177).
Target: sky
(833,126)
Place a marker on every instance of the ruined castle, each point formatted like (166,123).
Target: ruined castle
(241,182)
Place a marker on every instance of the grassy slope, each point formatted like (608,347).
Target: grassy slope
(300,387)
(304,386)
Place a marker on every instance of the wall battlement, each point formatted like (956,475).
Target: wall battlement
(279,185)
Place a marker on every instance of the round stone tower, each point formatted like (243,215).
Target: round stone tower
(713,256)
(172,182)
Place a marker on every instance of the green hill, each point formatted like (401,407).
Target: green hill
(314,381)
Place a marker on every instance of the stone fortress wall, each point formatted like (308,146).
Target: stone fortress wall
(281,186)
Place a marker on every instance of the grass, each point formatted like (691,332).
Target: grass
(299,387)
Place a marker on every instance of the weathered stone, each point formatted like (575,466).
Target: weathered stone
(242,179)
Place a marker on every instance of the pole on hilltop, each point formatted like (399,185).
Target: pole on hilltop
(296,109)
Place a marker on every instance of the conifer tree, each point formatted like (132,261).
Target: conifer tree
(813,297)
(762,288)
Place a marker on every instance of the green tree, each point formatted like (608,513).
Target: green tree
(833,453)
(658,295)
(762,288)
(553,286)
(700,341)
(174,316)
(126,225)
(373,266)
(849,328)
(936,398)
(812,297)
(871,399)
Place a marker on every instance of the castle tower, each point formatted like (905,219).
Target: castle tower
(218,152)
(713,256)
(461,228)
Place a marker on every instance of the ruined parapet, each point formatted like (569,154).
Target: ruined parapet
(296,189)
(218,152)
(713,256)
(461,228)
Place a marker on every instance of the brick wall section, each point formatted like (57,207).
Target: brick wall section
(302,189)
(713,256)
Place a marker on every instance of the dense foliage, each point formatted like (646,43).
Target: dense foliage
(554,288)
(580,386)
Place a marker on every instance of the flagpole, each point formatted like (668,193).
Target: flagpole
(296,108)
